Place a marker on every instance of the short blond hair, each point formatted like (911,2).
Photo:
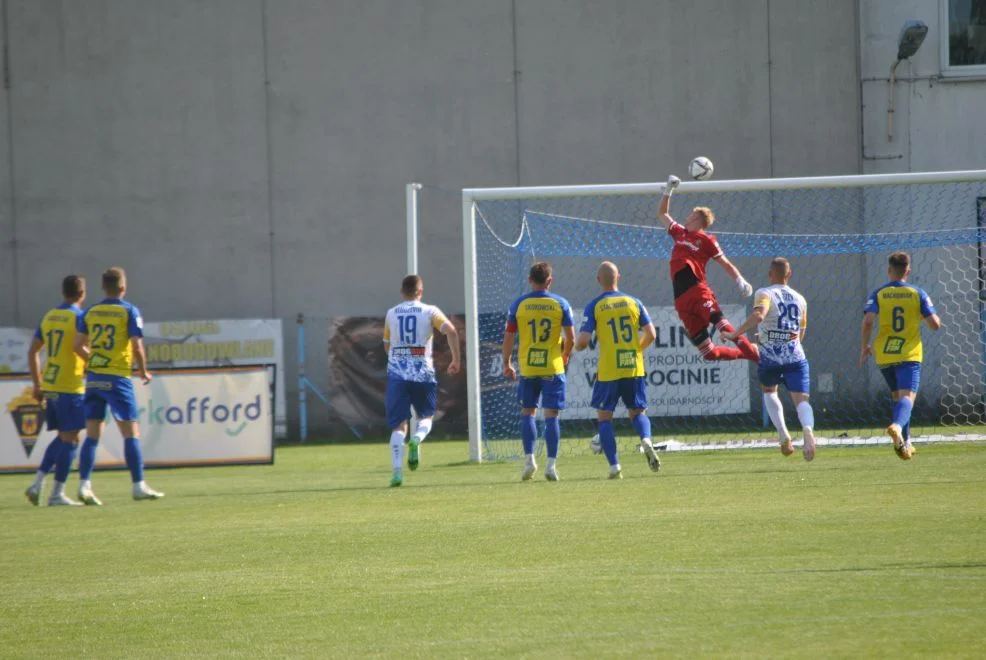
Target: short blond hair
(706,214)
(114,279)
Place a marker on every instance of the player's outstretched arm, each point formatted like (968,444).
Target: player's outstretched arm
(507,354)
(866,332)
(452,335)
(933,322)
(647,336)
(568,342)
(662,212)
(753,320)
(582,342)
(141,359)
(34,366)
(81,347)
(746,290)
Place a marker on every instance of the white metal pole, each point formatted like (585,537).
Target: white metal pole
(411,204)
(472,328)
(411,210)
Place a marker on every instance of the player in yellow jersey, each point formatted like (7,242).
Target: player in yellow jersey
(110,340)
(897,308)
(547,335)
(61,385)
(623,330)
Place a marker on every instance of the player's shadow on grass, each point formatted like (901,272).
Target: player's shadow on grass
(904,566)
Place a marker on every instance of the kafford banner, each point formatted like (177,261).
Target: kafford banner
(187,417)
(188,344)
(679,381)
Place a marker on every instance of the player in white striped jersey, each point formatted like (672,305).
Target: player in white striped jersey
(411,379)
(780,315)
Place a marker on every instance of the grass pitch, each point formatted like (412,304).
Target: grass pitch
(730,554)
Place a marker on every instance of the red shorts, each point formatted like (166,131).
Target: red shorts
(695,308)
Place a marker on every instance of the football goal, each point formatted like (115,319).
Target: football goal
(836,231)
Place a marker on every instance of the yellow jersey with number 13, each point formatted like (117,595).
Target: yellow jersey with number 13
(616,319)
(64,371)
(111,324)
(900,308)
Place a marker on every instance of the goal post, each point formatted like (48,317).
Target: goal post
(837,231)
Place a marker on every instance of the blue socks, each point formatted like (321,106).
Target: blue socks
(87,458)
(608,441)
(528,433)
(134,458)
(902,412)
(63,464)
(52,451)
(552,435)
(642,424)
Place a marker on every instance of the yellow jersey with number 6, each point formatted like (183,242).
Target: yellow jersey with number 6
(64,371)
(900,308)
(111,324)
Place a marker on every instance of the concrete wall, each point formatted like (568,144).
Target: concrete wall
(244,158)
(937,120)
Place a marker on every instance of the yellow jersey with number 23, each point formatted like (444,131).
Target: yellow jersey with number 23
(111,324)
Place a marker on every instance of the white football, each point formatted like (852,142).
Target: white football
(595,445)
(701,168)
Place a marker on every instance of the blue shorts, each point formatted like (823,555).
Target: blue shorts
(902,376)
(402,394)
(115,391)
(633,391)
(65,412)
(795,376)
(549,389)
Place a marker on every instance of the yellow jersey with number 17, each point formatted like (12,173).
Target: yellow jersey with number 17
(111,324)
(900,308)
(64,371)
(616,318)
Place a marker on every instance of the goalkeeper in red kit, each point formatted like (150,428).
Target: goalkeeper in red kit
(694,300)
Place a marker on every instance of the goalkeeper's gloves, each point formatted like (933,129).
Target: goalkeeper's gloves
(672,183)
(745,289)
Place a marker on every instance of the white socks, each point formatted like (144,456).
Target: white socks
(397,449)
(39,479)
(59,490)
(85,485)
(806,415)
(422,429)
(772,403)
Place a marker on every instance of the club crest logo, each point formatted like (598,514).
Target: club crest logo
(26,413)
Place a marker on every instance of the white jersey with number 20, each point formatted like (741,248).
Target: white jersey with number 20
(409,328)
(785,316)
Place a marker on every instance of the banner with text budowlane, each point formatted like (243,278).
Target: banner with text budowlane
(193,417)
(216,343)
(679,381)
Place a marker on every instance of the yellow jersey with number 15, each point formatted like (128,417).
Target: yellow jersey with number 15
(64,371)
(616,318)
(111,324)
(900,308)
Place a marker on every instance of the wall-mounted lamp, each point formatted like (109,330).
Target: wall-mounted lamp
(911,37)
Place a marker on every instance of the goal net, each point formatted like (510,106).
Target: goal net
(836,231)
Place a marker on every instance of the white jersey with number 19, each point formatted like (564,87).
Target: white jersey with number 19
(409,329)
(785,316)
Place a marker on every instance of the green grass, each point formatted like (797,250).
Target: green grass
(729,554)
